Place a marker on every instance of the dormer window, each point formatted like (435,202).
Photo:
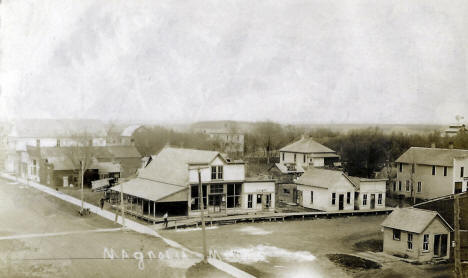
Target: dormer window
(216,172)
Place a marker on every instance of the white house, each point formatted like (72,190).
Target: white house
(417,233)
(326,190)
(370,193)
(169,183)
(307,152)
(332,190)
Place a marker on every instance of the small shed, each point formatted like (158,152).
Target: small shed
(417,234)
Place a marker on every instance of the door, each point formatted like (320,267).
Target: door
(436,245)
(259,202)
(458,187)
(440,245)
(215,203)
(372,201)
(341,202)
(299,198)
(443,245)
(65,181)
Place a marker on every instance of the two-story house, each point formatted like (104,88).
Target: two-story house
(170,183)
(307,152)
(428,173)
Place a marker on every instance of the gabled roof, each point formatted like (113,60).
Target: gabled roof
(412,220)
(431,156)
(171,164)
(323,178)
(306,145)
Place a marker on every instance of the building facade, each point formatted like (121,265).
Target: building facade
(416,233)
(170,183)
(428,173)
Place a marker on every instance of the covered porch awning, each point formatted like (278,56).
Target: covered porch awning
(154,190)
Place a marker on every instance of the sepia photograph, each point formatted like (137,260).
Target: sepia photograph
(234,139)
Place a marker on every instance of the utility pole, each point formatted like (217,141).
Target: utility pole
(202,211)
(122,207)
(456,222)
(82,178)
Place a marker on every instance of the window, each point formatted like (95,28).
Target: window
(333,198)
(419,186)
(396,234)
(233,195)
(412,168)
(286,191)
(90,143)
(249,200)
(304,158)
(364,199)
(294,157)
(433,170)
(407,185)
(216,188)
(401,167)
(195,200)
(379,199)
(348,197)
(216,172)
(410,241)
(426,242)
(394,186)
(445,171)
(58,142)
(38,142)
(399,185)
(461,171)
(311,197)
(268,200)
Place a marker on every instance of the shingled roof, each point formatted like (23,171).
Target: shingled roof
(413,220)
(431,156)
(323,178)
(307,145)
(171,164)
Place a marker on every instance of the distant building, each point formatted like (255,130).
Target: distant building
(431,172)
(169,183)
(122,135)
(48,133)
(416,233)
(232,142)
(307,152)
(454,129)
(55,167)
(332,190)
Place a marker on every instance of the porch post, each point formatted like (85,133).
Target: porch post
(154,209)
(149,207)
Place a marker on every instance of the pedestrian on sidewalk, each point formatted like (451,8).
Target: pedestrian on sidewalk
(102,203)
(165,219)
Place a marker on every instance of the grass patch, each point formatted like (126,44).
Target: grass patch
(374,245)
(353,262)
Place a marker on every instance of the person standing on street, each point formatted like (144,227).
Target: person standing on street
(102,203)
(165,219)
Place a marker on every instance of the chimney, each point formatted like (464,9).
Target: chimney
(450,145)
(433,145)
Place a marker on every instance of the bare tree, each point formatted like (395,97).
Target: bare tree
(81,154)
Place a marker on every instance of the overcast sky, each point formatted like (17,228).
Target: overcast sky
(288,61)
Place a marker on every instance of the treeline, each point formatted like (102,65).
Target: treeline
(363,151)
